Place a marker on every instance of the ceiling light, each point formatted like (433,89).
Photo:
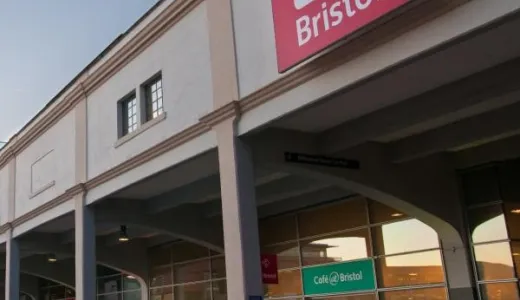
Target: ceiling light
(396,215)
(123,236)
(52,258)
(413,274)
(515,211)
(516,254)
(130,277)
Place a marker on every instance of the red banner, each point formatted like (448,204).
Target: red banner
(269,268)
(306,27)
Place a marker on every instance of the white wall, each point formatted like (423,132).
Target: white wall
(4,194)
(45,169)
(255,44)
(182,54)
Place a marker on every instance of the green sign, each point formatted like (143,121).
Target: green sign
(339,278)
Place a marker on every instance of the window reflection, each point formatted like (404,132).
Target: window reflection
(513,219)
(161,276)
(487,224)
(288,255)
(336,248)
(218,267)
(199,291)
(411,269)
(333,218)
(417,294)
(402,236)
(289,284)
(494,261)
(162,293)
(184,251)
(192,271)
(277,230)
(380,213)
(499,291)
(219,289)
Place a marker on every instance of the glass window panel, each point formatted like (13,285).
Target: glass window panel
(277,230)
(515,249)
(380,213)
(402,236)
(159,93)
(192,271)
(161,276)
(287,253)
(184,251)
(101,271)
(199,291)
(134,295)
(289,285)
(487,224)
(513,219)
(165,293)
(160,256)
(499,291)
(410,269)
(130,283)
(417,294)
(494,261)
(336,248)
(333,218)
(110,297)
(109,284)
(159,83)
(219,290)
(218,267)
(345,297)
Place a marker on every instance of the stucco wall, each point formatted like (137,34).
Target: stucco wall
(4,194)
(45,169)
(255,44)
(182,55)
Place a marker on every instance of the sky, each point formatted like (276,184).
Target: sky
(45,43)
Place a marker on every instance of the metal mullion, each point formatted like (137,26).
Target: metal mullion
(408,252)
(300,252)
(412,287)
(372,247)
(444,271)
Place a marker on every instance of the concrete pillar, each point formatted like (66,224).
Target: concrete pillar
(85,250)
(458,269)
(12,268)
(239,213)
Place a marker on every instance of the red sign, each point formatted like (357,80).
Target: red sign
(269,269)
(306,27)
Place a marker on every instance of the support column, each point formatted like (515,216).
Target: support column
(458,271)
(85,250)
(12,268)
(239,213)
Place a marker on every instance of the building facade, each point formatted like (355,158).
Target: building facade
(304,149)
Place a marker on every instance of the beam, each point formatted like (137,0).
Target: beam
(187,223)
(460,99)
(204,190)
(502,150)
(468,133)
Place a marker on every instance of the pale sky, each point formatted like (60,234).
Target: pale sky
(45,43)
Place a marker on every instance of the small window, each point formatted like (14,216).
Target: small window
(128,115)
(154,98)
